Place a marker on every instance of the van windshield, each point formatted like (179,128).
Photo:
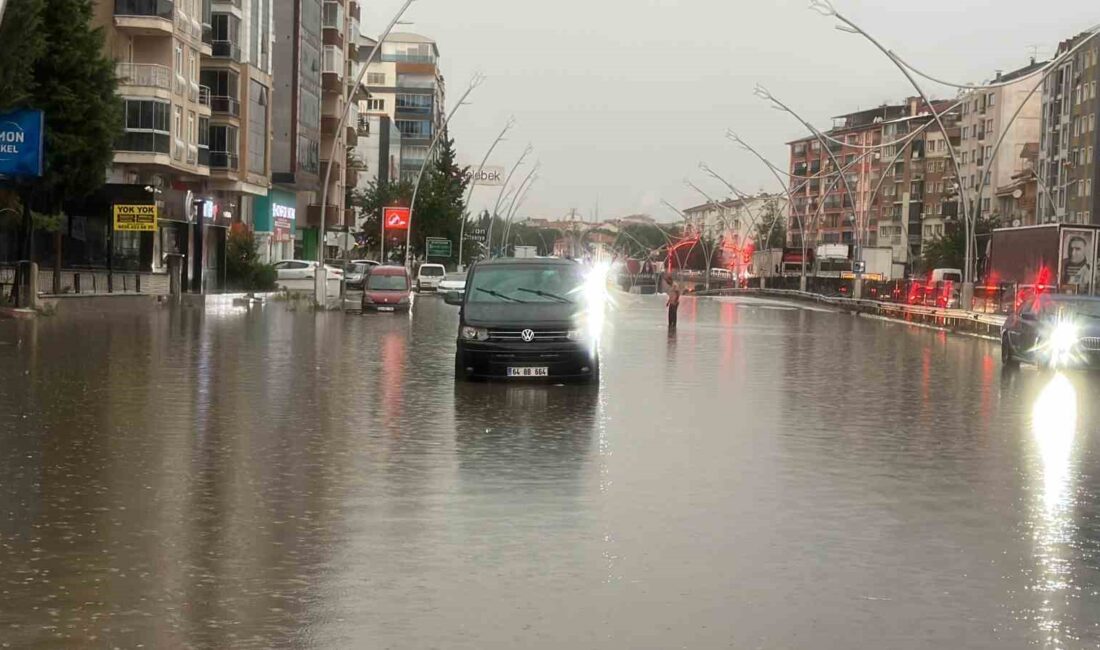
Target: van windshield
(387,283)
(527,284)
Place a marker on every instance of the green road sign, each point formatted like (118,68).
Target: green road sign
(439,247)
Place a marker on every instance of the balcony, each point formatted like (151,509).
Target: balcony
(349,218)
(328,126)
(204,156)
(333,216)
(225,105)
(337,169)
(333,35)
(144,75)
(397,57)
(224,160)
(225,50)
(145,17)
(331,82)
(204,95)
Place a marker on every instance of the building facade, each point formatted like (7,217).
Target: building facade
(405,85)
(315,70)
(1068,170)
(195,81)
(985,115)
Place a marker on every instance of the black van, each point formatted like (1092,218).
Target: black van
(526,319)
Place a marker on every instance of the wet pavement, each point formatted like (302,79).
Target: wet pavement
(769,477)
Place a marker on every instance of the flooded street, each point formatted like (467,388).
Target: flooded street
(768,477)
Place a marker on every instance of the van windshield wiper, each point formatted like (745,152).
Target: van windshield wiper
(497,294)
(545,294)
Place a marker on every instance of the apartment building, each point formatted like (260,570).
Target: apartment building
(238,73)
(821,200)
(736,220)
(195,80)
(163,153)
(917,180)
(985,115)
(1068,172)
(315,69)
(406,86)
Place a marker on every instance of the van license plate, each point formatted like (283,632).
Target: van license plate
(529,372)
(385,309)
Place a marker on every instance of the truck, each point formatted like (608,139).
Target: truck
(1056,256)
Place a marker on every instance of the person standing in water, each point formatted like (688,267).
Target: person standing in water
(673,304)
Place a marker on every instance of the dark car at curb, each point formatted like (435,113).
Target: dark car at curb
(1053,330)
(526,319)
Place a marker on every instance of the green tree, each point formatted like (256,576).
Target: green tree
(243,269)
(75,85)
(440,205)
(948,251)
(638,240)
(771,227)
(21,45)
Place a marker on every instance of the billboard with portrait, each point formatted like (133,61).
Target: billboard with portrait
(1077,261)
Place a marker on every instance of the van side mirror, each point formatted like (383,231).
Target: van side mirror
(1029,316)
(453,298)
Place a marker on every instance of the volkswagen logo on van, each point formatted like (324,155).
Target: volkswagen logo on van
(527,335)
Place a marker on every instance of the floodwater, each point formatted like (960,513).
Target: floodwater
(768,477)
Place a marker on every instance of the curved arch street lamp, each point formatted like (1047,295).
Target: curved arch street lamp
(489,236)
(473,183)
(321,281)
(476,81)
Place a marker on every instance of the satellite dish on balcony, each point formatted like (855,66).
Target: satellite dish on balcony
(1016,194)
(1016,223)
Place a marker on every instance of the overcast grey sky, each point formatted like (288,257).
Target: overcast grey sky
(623,98)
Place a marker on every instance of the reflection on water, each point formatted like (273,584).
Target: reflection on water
(766,477)
(1054,429)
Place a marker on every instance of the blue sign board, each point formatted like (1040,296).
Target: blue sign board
(21,143)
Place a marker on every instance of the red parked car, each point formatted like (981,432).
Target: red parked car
(387,288)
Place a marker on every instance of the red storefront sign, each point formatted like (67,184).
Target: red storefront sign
(396,218)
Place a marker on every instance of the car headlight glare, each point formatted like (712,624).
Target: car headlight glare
(1064,337)
(575,335)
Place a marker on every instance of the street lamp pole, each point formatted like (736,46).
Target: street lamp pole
(825,8)
(321,280)
(473,183)
(492,220)
(439,134)
(519,193)
(763,93)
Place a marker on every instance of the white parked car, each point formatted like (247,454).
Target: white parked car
(453,283)
(429,276)
(298,275)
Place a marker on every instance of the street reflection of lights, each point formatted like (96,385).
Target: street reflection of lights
(1054,428)
(597,299)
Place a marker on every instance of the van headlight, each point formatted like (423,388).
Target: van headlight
(575,335)
(475,333)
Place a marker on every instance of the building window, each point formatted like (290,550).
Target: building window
(223,146)
(309,155)
(257,127)
(332,16)
(376,104)
(376,78)
(309,109)
(415,128)
(332,60)
(414,103)
(147,126)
